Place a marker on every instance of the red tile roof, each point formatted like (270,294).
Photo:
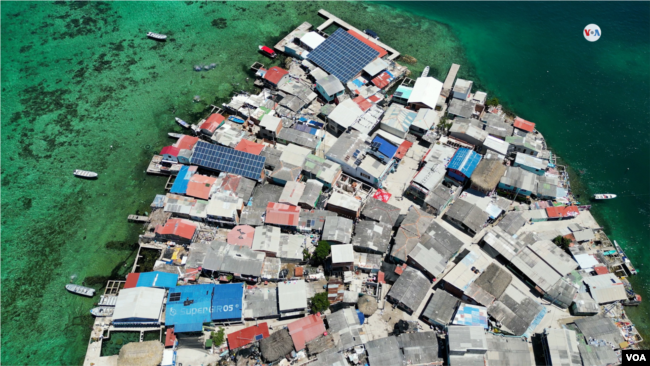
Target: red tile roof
(382,80)
(363,103)
(305,330)
(380,277)
(248,335)
(171,150)
(170,337)
(522,124)
(562,211)
(179,227)
(298,271)
(281,214)
(402,149)
(374,98)
(601,270)
(131,280)
(249,147)
(400,269)
(186,142)
(382,52)
(212,122)
(275,74)
(199,186)
(241,235)
(231,182)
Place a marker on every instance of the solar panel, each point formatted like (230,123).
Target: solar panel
(221,158)
(259,336)
(176,296)
(342,55)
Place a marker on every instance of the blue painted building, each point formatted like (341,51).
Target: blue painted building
(402,94)
(462,164)
(189,307)
(182,179)
(329,87)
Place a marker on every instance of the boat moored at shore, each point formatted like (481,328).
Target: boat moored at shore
(182,123)
(80,290)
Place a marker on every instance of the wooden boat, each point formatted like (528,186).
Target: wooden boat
(175,135)
(182,123)
(157,36)
(604,196)
(371,33)
(102,311)
(85,174)
(80,290)
(267,51)
(236,120)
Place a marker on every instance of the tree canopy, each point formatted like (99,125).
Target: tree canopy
(320,303)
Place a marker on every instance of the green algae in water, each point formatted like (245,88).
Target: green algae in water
(80,77)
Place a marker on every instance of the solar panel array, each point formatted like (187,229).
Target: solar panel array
(229,160)
(342,55)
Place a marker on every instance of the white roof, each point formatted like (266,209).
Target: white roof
(535,268)
(312,40)
(292,192)
(372,166)
(530,161)
(426,119)
(270,122)
(497,145)
(294,155)
(139,302)
(330,84)
(345,113)
(223,206)
(461,276)
(318,73)
(376,67)
(267,238)
(426,91)
(463,86)
(606,288)
(392,138)
(342,253)
(585,261)
(479,97)
(292,295)
(345,201)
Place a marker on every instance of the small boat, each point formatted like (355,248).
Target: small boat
(371,33)
(267,51)
(80,290)
(175,135)
(604,196)
(425,72)
(157,36)
(182,123)
(236,120)
(84,174)
(102,311)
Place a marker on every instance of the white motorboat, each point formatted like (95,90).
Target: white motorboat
(102,311)
(604,196)
(84,174)
(175,135)
(157,36)
(182,123)
(80,290)
(425,72)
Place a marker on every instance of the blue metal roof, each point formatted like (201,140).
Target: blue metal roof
(386,147)
(157,279)
(182,179)
(342,55)
(465,161)
(188,307)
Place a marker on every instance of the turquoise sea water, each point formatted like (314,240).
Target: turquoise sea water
(78,78)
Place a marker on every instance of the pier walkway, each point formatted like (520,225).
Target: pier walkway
(332,19)
(137,218)
(449,81)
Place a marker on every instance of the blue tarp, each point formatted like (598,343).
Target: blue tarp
(182,179)
(471,315)
(190,305)
(386,147)
(362,318)
(157,279)
(464,161)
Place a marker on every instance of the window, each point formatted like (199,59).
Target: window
(365,175)
(176,296)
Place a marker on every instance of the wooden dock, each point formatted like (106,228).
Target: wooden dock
(136,218)
(332,19)
(449,81)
